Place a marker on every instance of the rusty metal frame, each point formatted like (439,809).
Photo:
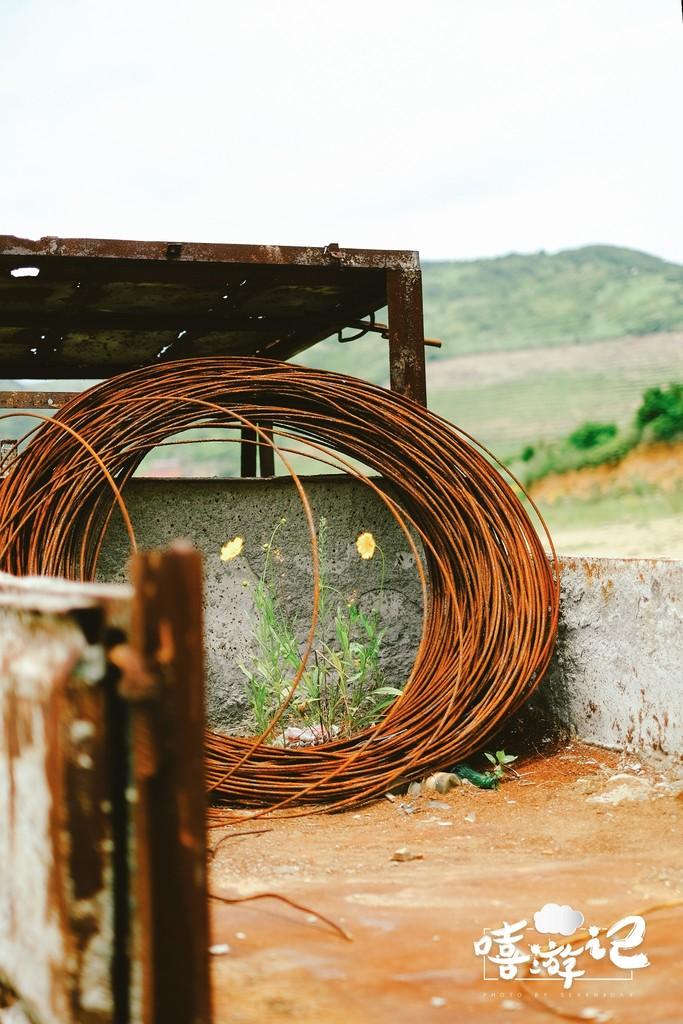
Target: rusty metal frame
(388,275)
(209,252)
(35,399)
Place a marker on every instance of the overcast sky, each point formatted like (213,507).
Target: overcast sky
(462,128)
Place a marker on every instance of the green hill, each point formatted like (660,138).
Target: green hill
(580,295)
(529,301)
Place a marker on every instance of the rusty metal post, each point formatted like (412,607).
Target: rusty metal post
(266,456)
(406,334)
(169,865)
(248,452)
(251,452)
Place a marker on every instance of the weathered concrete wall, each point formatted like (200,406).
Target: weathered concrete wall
(55,838)
(210,512)
(617,676)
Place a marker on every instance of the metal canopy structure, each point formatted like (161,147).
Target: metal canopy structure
(92,308)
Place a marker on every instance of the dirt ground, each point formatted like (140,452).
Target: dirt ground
(485,857)
(637,523)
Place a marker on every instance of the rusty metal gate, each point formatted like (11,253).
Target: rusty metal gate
(103,904)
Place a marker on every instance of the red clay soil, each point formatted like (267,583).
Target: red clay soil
(536,840)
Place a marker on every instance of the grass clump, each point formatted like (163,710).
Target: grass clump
(343,688)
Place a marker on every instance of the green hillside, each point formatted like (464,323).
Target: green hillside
(529,301)
(581,295)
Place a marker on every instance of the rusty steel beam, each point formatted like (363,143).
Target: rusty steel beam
(254,451)
(406,334)
(273,255)
(170,809)
(35,399)
(248,451)
(383,329)
(266,456)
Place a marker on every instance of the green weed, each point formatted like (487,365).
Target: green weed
(342,689)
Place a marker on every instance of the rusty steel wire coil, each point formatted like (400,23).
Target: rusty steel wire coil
(491,592)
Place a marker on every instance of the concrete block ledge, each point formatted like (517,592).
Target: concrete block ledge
(617,675)
(616,678)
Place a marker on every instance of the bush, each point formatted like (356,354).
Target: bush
(589,435)
(661,412)
(659,418)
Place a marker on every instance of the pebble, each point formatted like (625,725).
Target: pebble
(622,789)
(408,808)
(442,782)
(414,789)
(405,853)
(219,949)
(437,1001)
(470,817)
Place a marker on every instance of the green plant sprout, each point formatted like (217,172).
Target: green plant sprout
(500,761)
(343,688)
(490,779)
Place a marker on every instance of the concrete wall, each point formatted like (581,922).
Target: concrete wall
(617,675)
(210,512)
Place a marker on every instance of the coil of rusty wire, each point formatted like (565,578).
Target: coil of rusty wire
(491,593)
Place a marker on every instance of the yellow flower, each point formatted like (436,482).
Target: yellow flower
(231,549)
(365,545)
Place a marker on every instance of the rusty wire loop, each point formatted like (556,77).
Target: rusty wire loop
(491,593)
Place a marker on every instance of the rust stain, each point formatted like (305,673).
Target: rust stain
(165,653)
(52,712)
(591,569)
(12,744)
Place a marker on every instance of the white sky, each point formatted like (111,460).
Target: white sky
(461,128)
